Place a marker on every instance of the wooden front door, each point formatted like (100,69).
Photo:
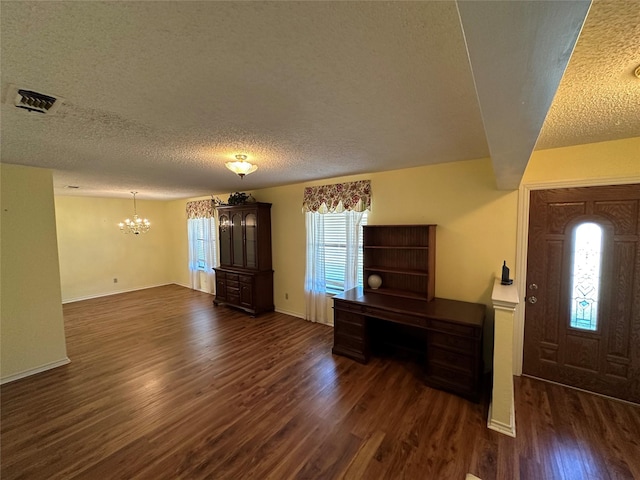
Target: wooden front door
(582,320)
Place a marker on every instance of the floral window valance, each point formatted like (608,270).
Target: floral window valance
(338,197)
(200,209)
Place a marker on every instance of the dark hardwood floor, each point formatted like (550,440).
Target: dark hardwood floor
(162,385)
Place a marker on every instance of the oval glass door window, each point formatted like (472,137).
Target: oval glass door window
(585,276)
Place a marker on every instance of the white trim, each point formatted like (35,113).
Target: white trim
(522,235)
(502,427)
(33,371)
(301,316)
(324,323)
(89,297)
(504,297)
(292,314)
(583,390)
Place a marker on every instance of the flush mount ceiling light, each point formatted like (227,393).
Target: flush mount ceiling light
(637,71)
(241,167)
(137,225)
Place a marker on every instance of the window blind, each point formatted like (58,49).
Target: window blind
(335,238)
(201,244)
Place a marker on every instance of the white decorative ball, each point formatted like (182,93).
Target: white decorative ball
(374,281)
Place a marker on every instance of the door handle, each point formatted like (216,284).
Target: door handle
(532,299)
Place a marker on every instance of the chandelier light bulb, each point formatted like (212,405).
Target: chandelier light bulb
(137,225)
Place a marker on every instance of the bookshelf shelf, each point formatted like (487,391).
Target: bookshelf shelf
(404,257)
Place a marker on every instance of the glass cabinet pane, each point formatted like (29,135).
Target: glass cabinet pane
(238,250)
(225,240)
(250,225)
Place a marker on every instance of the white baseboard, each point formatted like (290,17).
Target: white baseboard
(327,323)
(89,297)
(293,314)
(190,288)
(503,427)
(301,316)
(33,371)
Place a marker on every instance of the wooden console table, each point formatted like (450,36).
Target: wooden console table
(452,335)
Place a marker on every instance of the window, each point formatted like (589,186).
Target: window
(197,229)
(585,276)
(334,215)
(202,238)
(334,250)
(336,236)
(202,252)
(200,243)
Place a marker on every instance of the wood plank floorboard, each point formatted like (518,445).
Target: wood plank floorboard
(162,385)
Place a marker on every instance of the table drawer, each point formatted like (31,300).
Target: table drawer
(351,307)
(449,359)
(348,317)
(396,317)
(233,298)
(454,328)
(355,343)
(350,347)
(452,342)
(232,277)
(348,328)
(452,379)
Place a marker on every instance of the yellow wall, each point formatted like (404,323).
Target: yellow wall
(615,159)
(178,242)
(476,232)
(31,324)
(93,251)
(476,226)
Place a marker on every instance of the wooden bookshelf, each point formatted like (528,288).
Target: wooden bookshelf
(404,257)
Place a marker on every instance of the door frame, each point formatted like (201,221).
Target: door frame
(522,240)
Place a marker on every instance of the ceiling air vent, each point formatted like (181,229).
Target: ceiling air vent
(33,101)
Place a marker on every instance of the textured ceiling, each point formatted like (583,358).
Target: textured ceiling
(158,95)
(599,96)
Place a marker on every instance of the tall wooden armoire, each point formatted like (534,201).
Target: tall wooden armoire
(244,278)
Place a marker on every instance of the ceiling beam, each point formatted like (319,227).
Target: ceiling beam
(518,52)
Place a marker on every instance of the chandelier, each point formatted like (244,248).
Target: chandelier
(241,167)
(137,225)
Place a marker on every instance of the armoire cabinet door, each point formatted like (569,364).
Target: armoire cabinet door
(251,225)
(237,239)
(221,286)
(244,278)
(246,295)
(225,240)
